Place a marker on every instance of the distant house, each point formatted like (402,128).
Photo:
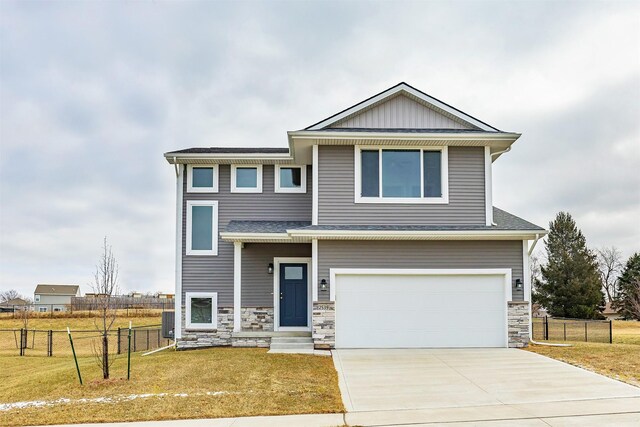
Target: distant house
(54,297)
(611,313)
(12,305)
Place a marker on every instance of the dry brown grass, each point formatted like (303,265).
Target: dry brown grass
(130,313)
(620,360)
(253,382)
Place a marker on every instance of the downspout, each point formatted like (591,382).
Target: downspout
(533,245)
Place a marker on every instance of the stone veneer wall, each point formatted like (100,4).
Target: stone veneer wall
(324,324)
(254,319)
(518,323)
(219,337)
(257,318)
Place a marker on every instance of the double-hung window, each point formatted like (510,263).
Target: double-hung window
(246,179)
(202,227)
(290,179)
(401,175)
(201,310)
(202,179)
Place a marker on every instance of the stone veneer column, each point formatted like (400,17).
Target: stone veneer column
(518,323)
(324,324)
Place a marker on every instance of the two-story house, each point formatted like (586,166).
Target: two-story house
(374,229)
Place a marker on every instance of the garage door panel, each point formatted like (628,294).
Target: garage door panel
(408,311)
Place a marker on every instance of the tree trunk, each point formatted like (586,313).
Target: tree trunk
(105,357)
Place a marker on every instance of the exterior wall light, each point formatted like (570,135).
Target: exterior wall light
(518,283)
(323,285)
(270,268)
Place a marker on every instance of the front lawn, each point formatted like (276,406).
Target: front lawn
(222,382)
(620,360)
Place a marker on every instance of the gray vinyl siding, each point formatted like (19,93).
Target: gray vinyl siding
(336,193)
(420,254)
(215,273)
(257,283)
(401,112)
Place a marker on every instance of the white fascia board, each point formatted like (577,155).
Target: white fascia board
(186,157)
(406,136)
(255,237)
(414,235)
(393,91)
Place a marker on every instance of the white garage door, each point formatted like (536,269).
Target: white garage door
(421,310)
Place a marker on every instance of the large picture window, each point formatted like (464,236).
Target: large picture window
(392,175)
(202,227)
(202,179)
(201,310)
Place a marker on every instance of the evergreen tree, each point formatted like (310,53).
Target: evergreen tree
(570,285)
(628,296)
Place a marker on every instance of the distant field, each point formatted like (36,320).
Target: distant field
(626,332)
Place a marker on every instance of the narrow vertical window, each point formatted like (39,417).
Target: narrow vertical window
(432,174)
(202,227)
(370,173)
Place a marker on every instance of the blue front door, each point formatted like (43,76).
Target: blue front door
(293,295)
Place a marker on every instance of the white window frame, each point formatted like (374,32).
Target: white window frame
(214,307)
(257,189)
(303,179)
(214,228)
(192,189)
(42,309)
(36,298)
(444,169)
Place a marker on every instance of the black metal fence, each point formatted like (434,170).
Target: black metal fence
(37,342)
(560,329)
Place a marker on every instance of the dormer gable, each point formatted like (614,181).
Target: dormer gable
(402,107)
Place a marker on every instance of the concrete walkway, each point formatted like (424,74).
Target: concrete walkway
(491,386)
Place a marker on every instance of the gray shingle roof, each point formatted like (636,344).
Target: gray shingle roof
(504,222)
(264,226)
(231,150)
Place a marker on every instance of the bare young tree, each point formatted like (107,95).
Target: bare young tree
(105,286)
(9,295)
(610,266)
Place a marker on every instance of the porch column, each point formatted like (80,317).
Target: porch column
(314,270)
(237,281)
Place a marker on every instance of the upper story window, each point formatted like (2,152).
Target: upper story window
(246,179)
(37,298)
(202,227)
(202,179)
(290,179)
(401,175)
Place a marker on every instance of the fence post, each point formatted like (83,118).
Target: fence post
(134,340)
(147,339)
(546,328)
(565,331)
(118,340)
(586,339)
(49,343)
(21,341)
(610,331)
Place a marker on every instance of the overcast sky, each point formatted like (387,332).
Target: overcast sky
(92,94)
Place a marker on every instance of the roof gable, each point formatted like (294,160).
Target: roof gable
(402,106)
(57,289)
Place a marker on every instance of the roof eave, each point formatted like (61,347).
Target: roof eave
(173,158)
(418,235)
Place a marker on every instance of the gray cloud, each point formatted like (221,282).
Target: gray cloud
(91,95)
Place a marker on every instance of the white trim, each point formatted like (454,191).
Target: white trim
(315,168)
(333,272)
(237,286)
(214,311)
(414,234)
(526,272)
(488,186)
(256,237)
(257,189)
(192,189)
(303,179)
(178,272)
(228,156)
(444,178)
(392,91)
(276,292)
(214,228)
(314,270)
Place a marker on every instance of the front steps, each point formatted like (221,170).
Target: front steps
(298,343)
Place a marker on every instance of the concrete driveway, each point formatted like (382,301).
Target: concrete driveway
(492,386)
